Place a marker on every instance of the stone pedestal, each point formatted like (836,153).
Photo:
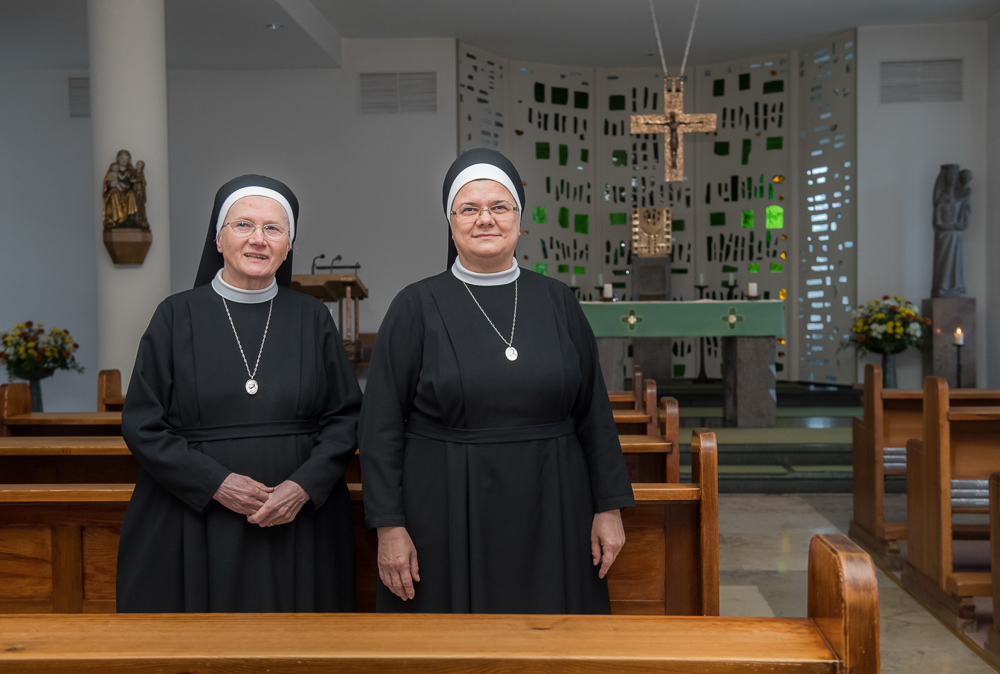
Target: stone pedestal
(750,381)
(940,352)
(651,283)
(611,351)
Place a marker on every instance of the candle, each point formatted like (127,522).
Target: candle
(701,278)
(959,337)
(572,280)
(600,280)
(607,292)
(732,280)
(752,289)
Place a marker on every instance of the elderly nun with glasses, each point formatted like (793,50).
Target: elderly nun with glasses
(242,413)
(490,461)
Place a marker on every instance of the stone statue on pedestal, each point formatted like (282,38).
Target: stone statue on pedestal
(952,192)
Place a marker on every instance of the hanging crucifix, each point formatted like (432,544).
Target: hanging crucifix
(673,124)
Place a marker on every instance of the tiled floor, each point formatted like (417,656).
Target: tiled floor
(764,543)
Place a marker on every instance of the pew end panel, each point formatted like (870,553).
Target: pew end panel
(14,399)
(670,429)
(109,391)
(843,600)
(992,647)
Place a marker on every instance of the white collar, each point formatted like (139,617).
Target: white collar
(234,294)
(475,278)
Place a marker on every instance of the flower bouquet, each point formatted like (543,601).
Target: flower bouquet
(886,326)
(30,353)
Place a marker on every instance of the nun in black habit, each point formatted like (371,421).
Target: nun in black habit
(491,464)
(242,413)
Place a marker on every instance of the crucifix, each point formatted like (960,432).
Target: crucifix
(673,124)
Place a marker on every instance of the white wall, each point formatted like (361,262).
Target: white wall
(901,147)
(47,246)
(368,186)
(992,187)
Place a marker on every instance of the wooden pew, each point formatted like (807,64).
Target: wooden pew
(891,417)
(963,444)
(655,457)
(629,400)
(66,459)
(17,419)
(840,634)
(670,564)
(109,391)
(992,647)
(645,422)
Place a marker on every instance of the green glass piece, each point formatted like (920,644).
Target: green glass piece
(539,215)
(620,272)
(744,81)
(746,220)
(775,217)
(722,148)
(581,99)
(548,185)
(560,95)
(616,102)
(753,267)
(619,218)
(717,219)
(564,269)
(719,88)
(581,223)
(775,142)
(541,150)
(774,86)
(563,154)
(770,191)
(747,144)
(541,268)
(584,154)
(539,92)
(775,268)
(769,238)
(778,367)
(564,217)
(767,294)
(675,270)
(727,269)
(679,370)
(619,157)
(579,270)
(677,225)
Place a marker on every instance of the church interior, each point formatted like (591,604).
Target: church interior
(803,170)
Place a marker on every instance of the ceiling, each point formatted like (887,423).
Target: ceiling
(231,34)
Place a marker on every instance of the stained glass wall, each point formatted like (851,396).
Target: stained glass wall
(827,257)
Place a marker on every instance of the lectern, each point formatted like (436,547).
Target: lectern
(344,289)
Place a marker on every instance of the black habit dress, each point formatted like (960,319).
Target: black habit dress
(190,423)
(495,467)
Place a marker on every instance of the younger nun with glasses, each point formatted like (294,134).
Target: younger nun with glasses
(242,413)
(491,465)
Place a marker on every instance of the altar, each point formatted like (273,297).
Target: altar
(749,331)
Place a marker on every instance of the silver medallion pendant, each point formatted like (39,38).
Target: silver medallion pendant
(511,353)
(252,385)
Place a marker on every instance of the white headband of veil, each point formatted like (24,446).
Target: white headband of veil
(255,191)
(479,172)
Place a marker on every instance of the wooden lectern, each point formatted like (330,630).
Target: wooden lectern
(343,289)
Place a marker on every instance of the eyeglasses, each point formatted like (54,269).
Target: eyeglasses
(499,211)
(244,229)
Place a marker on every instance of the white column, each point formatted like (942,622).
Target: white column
(128,102)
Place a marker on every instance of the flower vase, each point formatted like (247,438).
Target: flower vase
(888,370)
(34,379)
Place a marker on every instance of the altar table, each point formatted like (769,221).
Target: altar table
(749,331)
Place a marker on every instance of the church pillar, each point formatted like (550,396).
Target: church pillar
(128,99)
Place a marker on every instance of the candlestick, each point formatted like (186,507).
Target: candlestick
(701,278)
(600,280)
(572,280)
(732,280)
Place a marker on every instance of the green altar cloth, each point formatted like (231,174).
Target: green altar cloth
(703,318)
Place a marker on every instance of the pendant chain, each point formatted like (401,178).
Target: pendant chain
(266,325)
(510,342)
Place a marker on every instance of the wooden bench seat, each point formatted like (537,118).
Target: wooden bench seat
(640,420)
(16,418)
(840,634)
(63,538)
(891,417)
(958,444)
(629,400)
(66,459)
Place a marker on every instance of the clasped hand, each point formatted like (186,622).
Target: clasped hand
(261,504)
